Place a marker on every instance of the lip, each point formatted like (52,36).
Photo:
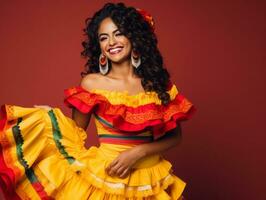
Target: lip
(114,53)
(114,48)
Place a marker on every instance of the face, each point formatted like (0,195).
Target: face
(113,43)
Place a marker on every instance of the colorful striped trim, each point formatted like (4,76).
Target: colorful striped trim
(123,139)
(58,136)
(28,171)
(108,124)
(103,121)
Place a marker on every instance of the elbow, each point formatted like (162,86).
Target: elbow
(173,137)
(177,135)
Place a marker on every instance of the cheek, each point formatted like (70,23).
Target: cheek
(103,45)
(124,40)
(129,49)
(127,44)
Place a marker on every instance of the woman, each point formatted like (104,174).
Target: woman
(137,113)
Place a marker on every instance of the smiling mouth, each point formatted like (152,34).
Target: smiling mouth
(115,50)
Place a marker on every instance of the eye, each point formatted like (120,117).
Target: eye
(102,38)
(118,34)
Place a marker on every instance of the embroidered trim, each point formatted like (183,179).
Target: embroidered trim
(38,187)
(161,113)
(10,111)
(58,136)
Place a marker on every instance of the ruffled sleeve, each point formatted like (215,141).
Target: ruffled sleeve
(177,110)
(77,97)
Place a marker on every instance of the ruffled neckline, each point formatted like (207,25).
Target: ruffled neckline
(131,113)
(132,100)
(119,93)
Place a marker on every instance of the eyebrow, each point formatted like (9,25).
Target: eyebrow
(106,33)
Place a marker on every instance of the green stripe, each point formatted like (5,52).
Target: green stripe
(19,142)
(109,124)
(58,136)
(103,121)
(133,137)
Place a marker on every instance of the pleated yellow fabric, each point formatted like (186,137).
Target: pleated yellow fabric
(49,161)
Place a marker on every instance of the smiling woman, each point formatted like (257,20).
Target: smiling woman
(137,109)
(118,26)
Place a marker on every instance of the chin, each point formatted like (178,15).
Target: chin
(119,60)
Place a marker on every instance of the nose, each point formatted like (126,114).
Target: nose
(112,41)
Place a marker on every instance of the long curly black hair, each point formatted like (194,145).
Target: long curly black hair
(154,77)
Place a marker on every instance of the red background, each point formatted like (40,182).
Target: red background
(215,52)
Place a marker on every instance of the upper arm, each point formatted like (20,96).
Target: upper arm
(83,119)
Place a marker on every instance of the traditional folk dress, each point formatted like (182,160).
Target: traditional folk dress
(43,154)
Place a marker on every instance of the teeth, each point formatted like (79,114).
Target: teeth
(115,50)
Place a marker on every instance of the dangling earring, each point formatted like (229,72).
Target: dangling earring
(135,59)
(103,64)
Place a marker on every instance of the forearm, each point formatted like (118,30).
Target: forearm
(161,145)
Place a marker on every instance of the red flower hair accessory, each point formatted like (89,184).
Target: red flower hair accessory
(147,17)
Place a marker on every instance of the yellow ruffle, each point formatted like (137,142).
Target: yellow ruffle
(77,172)
(142,98)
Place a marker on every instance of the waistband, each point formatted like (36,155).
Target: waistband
(111,151)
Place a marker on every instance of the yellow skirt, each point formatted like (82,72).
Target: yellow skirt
(43,157)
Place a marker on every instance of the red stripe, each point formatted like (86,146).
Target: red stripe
(3,117)
(7,179)
(7,174)
(40,190)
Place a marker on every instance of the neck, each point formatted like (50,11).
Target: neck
(122,70)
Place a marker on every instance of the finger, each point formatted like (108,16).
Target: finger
(46,107)
(37,106)
(109,167)
(113,163)
(125,173)
(113,170)
(120,170)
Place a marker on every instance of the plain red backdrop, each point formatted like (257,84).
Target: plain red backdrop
(215,52)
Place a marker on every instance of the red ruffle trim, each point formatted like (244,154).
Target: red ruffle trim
(157,118)
(7,174)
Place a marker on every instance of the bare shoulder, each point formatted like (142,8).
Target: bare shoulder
(91,81)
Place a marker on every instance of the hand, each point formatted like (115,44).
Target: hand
(43,106)
(121,166)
